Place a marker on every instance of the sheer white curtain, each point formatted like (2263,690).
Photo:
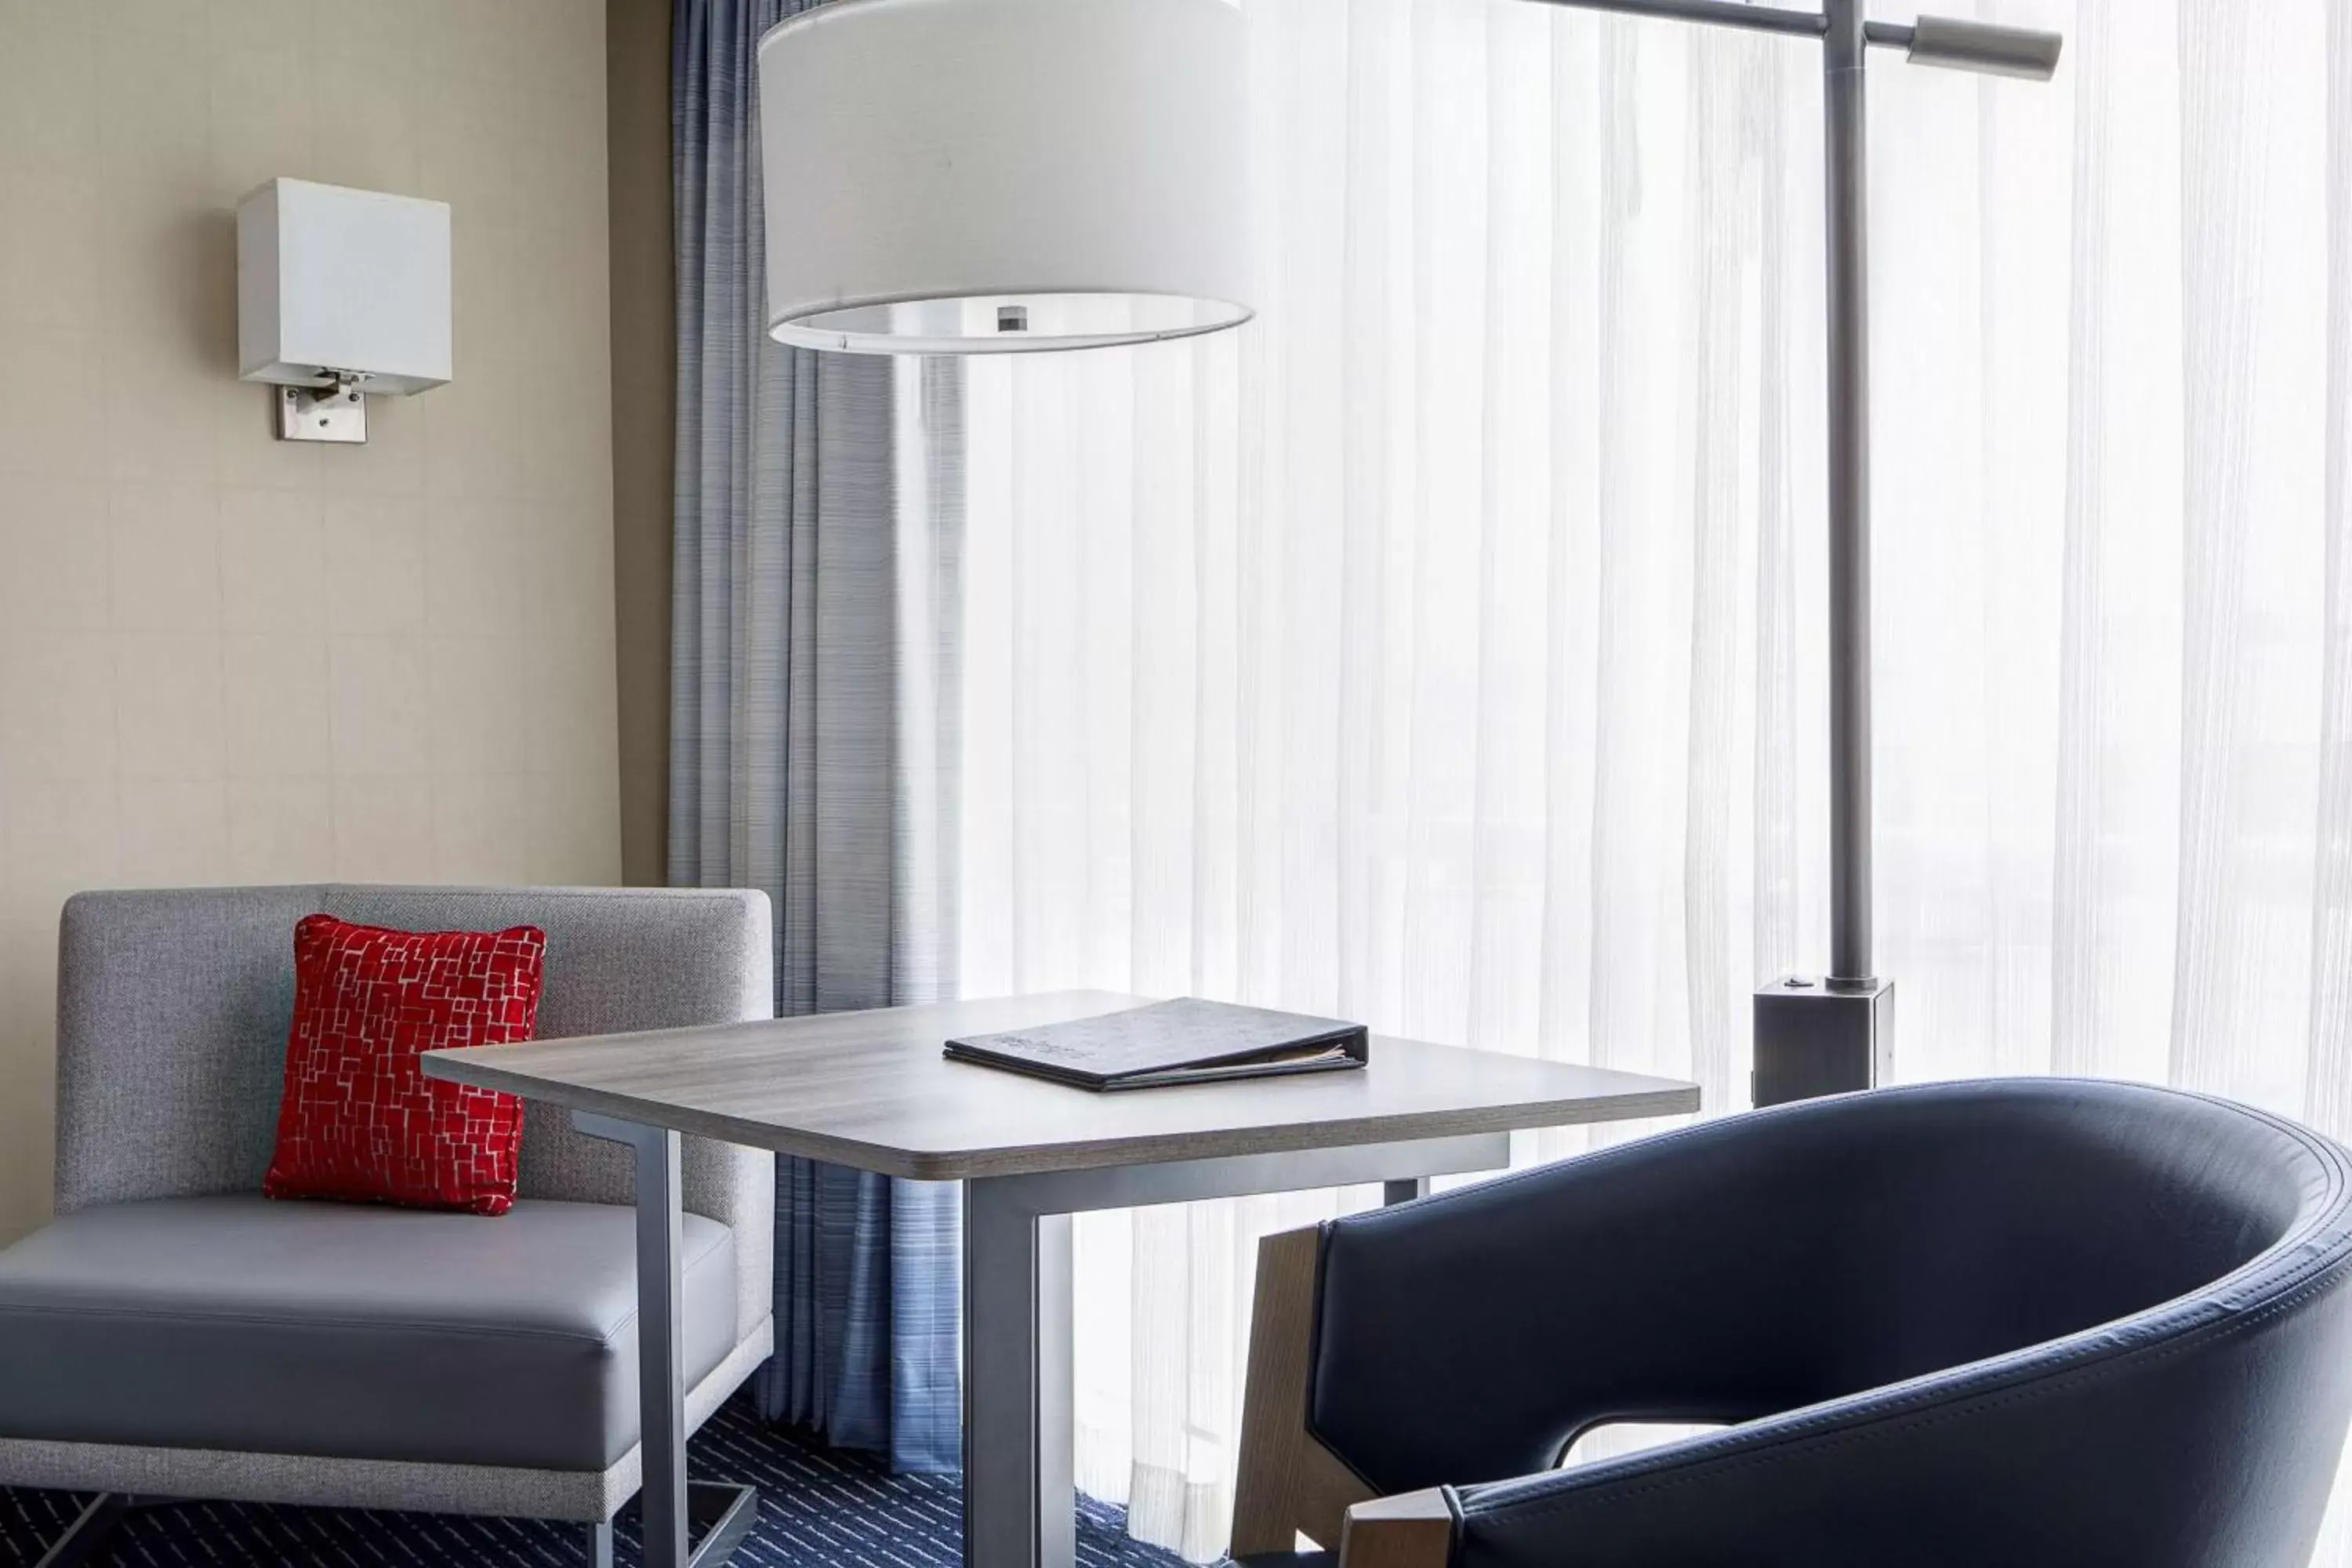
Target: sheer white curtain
(1444,650)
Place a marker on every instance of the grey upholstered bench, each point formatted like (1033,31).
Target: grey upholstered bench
(174,1333)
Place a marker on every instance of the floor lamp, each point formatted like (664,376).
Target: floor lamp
(983,176)
(1827,1034)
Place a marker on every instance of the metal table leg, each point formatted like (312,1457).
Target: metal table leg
(661,1364)
(87,1539)
(1020,1505)
(670,1504)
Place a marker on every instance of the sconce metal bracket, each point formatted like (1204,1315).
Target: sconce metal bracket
(336,412)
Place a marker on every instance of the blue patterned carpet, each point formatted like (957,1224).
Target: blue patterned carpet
(817,1506)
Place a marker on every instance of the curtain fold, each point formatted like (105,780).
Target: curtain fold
(1445,648)
(815,732)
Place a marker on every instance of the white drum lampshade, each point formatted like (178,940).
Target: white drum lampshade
(979,176)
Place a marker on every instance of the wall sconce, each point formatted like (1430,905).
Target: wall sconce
(340,293)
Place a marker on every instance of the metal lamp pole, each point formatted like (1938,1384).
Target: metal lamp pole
(1827,1035)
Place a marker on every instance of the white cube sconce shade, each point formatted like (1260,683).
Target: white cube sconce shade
(983,176)
(340,292)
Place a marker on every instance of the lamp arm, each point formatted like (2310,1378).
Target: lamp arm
(1717,12)
(1945,41)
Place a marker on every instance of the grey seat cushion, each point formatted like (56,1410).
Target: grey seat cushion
(342,1330)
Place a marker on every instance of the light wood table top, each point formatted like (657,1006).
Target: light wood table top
(872,1089)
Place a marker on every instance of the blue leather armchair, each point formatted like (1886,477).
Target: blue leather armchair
(2008,1321)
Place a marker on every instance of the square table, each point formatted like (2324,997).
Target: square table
(871,1090)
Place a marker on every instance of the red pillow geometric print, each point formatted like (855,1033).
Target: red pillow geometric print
(361,1121)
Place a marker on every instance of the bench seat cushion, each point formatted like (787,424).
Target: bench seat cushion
(340,1331)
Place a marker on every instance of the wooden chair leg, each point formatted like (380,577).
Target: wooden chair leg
(1289,1484)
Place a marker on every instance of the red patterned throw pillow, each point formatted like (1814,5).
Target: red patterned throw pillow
(361,1121)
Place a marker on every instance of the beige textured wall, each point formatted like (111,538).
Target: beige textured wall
(224,659)
(645,395)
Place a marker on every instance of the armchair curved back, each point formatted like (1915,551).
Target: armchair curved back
(1958,1323)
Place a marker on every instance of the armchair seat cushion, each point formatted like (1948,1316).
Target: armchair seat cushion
(338,1330)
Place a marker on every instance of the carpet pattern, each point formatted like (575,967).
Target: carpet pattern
(817,1506)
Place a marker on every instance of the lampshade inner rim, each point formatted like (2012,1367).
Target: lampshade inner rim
(1005,322)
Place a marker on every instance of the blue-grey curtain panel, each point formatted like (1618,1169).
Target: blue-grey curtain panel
(813,741)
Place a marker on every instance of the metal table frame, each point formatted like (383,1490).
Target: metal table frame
(672,1506)
(1020,1502)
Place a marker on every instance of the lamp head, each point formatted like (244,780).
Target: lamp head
(1983,47)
